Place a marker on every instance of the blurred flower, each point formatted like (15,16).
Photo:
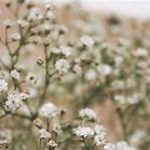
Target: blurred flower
(110,146)
(3,85)
(87,40)
(104,69)
(15,74)
(48,110)
(83,132)
(62,66)
(44,134)
(87,113)
(14,101)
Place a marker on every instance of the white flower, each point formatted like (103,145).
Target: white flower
(14,101)
(50,15)
(99,140)
(104,69)
(15,74)
(6,135)
(15,37)
(133,99)
(34,15)
(62,66)
(83,131)
(124,146)
(3,85)
(100,137)
(137,137)
(141,52)
(44,134)
(46,27)
(8,23)
(52,144)
(110,146)
(100,129)
(65,50)
(118,60)
(49,6)
(120,99)
(118,84)
(24,96)
(87,113)
(55,51)
(48,110)
(87,40)
(22,23)
(77,69)
(90,75)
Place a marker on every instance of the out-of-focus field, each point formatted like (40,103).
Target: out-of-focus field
(132,28)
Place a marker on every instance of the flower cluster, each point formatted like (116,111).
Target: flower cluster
(53,71)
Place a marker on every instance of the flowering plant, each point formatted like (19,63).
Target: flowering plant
(57,76)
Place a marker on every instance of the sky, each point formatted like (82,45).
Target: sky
(131,8)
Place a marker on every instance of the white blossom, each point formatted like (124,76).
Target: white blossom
(120,99)
(118,84)
(141,52)
(3,85)
(15,74)
(44,134)
(46,27)
(35,15)
(8,23)
(90,75)
(62,66)
(104,69)
(14,101)
(52,144)
(22,23)
(15,36)
(77,69)
(110,146)
(137,137)
(48,110)
(50,15)
(6,135)
(87,113)
(122,145)
(25,96)
(65,50)
(100,129)
(87,40)
(99,140)
(133,99)
(118,60)
(84,132)
(100,137)
(55,50)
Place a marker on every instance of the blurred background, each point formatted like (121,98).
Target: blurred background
(130,8)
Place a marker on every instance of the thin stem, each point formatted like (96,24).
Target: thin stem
(40,144)
(85,145)
(48,124)
(46,84)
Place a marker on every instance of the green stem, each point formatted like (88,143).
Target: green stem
(85,145)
